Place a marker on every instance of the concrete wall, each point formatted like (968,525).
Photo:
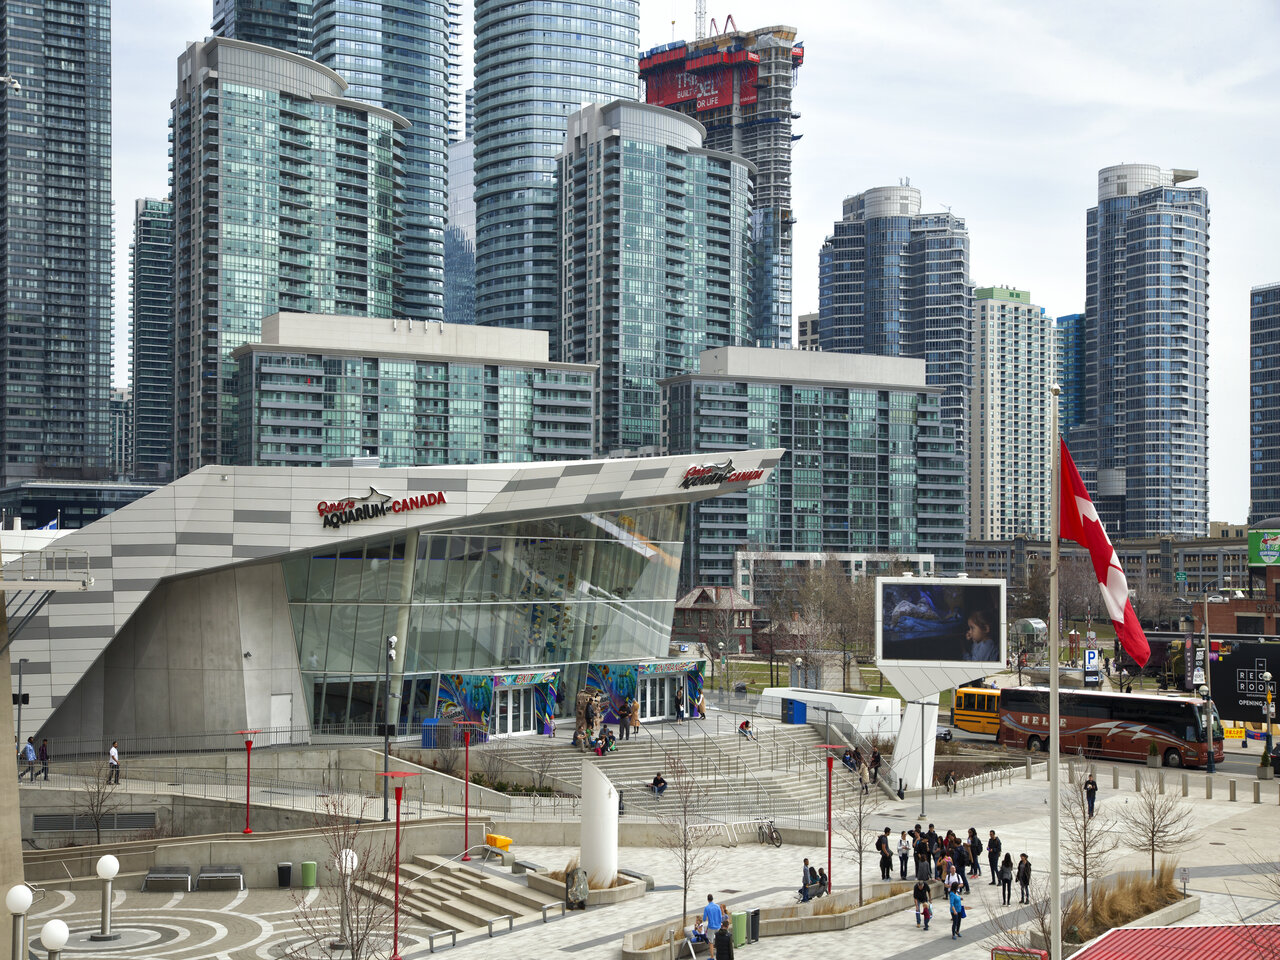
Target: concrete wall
(201,653)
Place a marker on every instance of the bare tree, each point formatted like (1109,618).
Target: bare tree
(1088,843)
(687,834)
(540,759)
(351,918)
(1077,587)
(99,800)
(1155,823)
(859,826)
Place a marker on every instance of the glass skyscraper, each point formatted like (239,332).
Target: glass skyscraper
(1264,402)
(870,468)
(895,282)
(655,258)
(1069,333)
(286,197)
(1144,426)
(536,62)
(460,236)
(55,240)
(404,56)
(151,339)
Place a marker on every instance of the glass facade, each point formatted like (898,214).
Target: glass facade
(536,62)
(1069,331)
(554,593)
(1264,402)
(308,408)
(286,197)
(460,236)
(895,282)
(1144,428)
(55,239)
(656,258)
(151,339)
(283,24)
(867,470)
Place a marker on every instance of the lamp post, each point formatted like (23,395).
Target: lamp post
(18,901)
(18,729)
(248,772)
(800,675)
(831,759)
(724,673)
(466,789)
(346,862)
(108,866)
(1266,719)
(395,935)
(53,937)
(1208,719)
(386,726)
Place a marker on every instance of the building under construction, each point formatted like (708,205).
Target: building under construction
(738,84)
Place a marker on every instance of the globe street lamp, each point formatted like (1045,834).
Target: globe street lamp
(53,937)
(18,902)
(108,866)
(1208,722)
(386,727)
(346,862)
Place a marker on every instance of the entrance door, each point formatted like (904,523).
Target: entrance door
(281,718)
(656,697)
(512,711)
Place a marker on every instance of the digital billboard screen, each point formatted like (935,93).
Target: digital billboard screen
(937,620)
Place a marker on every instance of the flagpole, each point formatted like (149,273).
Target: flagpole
(1055,726)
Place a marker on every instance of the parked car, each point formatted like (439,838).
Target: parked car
(944,734)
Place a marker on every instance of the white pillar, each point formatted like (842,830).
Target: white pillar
(906,751)
(599,852)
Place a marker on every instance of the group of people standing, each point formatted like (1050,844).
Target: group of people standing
(953,860)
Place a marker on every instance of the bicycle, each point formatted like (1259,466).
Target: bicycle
(767,833)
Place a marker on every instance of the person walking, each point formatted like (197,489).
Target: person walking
(44,759)
(957,909)
(934,847)
(679,703)
(904,854)
(113,762)
(994,848)
(864,777)
(1005,873)
(29,758)
(874,766)
(711,914)
(924,909)
(1023,876)
(1091,791)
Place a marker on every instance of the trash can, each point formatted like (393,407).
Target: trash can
(430,729)
(284,874)
(739,928)
(753,925)
(308,870)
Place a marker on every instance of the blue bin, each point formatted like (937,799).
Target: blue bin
(430,730)
(794,711)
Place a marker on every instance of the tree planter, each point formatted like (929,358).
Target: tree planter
(1266,772)
(1153,761)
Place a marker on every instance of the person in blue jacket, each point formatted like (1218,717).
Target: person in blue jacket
(957,909)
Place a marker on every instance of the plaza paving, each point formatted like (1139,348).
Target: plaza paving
(1232,844)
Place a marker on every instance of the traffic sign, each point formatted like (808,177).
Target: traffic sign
(1180,576)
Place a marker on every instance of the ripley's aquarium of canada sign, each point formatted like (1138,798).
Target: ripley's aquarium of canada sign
(376,504)
(714,474)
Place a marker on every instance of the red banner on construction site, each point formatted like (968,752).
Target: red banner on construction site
(747,84)
(711,89)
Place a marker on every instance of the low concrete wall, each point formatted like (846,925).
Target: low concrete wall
(1157,918)
(256,854)
(627,889)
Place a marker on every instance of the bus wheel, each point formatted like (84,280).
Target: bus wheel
(1172,758)
(1034,745)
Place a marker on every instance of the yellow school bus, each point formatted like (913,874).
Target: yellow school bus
(976,709)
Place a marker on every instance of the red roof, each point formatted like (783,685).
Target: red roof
(1203,943)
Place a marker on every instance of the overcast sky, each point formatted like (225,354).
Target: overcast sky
(1003,111)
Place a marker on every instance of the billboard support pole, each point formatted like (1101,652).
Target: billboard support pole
(1055,726)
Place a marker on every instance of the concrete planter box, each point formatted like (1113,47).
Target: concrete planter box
(1266,772)
(628,889)
(1154,761)
(1157,918)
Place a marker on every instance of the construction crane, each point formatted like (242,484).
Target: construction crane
(700,19)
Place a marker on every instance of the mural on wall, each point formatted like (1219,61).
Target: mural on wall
(693,681)
(465,698)
(544,704)
(617,681)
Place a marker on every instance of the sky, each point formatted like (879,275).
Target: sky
(1003,111)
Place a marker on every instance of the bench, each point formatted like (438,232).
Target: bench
(219,872)
(527,866)
(636,875)
(488,851)
(511,922)
(175,874)
(431,939)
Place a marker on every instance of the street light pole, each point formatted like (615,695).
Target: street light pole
(1208,723)
(1266,719)
(248,772)
(386,728)
(18,731)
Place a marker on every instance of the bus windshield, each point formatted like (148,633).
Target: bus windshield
(1217,724)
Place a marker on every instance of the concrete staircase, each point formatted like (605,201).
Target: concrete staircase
(447,895)
(781,774)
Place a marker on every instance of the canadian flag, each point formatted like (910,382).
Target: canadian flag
(1079,522)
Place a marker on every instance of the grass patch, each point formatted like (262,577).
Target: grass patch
(1113,903)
